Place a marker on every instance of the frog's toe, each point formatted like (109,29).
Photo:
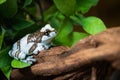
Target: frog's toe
(10,53)
(21,55)
(26,61)
(30,58)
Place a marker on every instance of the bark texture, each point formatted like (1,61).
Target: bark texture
(93,58)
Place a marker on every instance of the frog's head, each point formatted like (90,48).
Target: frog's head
(48,33)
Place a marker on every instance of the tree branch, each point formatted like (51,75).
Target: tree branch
(63,63)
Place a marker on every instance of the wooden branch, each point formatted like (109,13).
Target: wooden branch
(63,60)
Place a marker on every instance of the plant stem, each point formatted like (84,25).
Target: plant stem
(41,9)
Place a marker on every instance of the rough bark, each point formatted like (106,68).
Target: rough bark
(89,59)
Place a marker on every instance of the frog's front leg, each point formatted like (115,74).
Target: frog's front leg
(39,47)
(29,60)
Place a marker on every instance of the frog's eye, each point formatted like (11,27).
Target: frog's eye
(47,32)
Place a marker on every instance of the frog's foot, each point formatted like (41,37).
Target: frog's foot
(29,60)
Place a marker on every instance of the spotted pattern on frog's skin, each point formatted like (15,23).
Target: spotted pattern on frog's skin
(33,48)
(35,37)
(31,44)
(17,53)
(18,44)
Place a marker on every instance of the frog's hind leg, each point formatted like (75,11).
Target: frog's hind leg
(16,45)
(17,54)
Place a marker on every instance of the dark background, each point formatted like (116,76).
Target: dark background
(108,11)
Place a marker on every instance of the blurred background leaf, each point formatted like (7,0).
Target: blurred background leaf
(93,25)
(8,9)
(67,7)
(5,60)
(6,71)
(84,5)
(2,1)
(63,37)
(2,37)
(78,36)
(27,2)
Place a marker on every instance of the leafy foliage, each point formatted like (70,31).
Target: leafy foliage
(63,36)
(7,70)
(9,8)
(5,62)
(2,37)
(80,36)
(27,2)
(85,5)
(89,25)
(2,1)
(62,5)
(19,17)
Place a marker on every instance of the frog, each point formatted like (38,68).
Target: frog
(32,44)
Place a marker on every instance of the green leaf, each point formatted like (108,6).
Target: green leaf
(2,1)
(67,7)
(93,25)
(56,20)
(78,36)
(8,9)
(20,24)
(2,37)
(75,19)
(27,2)
(64,32)
(19,64)
(49,13)
(85,5)
(5,59)
(6,71)
(23,27)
